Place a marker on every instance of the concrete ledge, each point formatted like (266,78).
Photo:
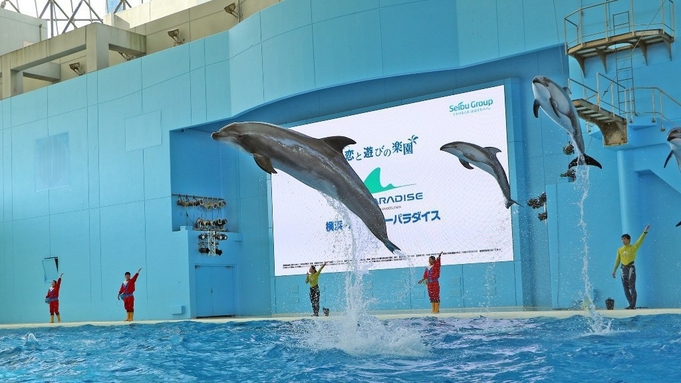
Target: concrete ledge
(560,314)
(96,39)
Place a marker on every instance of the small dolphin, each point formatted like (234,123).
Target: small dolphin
(485,159)
(674,139)
(318,163)
(556,103)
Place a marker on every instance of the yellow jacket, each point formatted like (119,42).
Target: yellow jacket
(627,253)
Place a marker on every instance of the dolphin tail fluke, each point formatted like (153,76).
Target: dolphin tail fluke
(391,246)
(510,203)
(585,160)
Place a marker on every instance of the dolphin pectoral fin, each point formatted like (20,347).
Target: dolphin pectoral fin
(554,106)
(668,158)
(585,160)
(264,163)
(535,108)
(466,164)
(338,143)
(678,224)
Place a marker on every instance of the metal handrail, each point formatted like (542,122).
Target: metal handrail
(657,98)
(613,87)
(581,37)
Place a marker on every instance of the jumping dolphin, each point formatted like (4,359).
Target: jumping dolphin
(318,163)
(483,158)
(556,103)
(674,139)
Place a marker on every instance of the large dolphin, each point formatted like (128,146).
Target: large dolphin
(674,140)
(318,163)
(485,159)
(556,103)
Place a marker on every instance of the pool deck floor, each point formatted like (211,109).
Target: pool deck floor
(501,314)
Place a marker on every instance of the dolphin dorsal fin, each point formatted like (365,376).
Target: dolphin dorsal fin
(493,150)
(338,143)
(567,90)
(265,163)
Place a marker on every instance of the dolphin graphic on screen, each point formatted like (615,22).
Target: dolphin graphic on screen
(485,159)
(674,140)
(318,163)
(556,104)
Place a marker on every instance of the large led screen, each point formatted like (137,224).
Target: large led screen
(431,202)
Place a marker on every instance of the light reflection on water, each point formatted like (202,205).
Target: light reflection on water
(399,350)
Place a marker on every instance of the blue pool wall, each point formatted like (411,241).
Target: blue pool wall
(138,133)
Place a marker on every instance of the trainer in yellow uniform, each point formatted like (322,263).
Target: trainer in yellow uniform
(626,256)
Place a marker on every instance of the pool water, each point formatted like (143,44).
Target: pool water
(426,349)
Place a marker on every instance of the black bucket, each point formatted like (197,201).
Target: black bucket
(610,304)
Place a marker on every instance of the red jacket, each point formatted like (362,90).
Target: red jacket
(128,288)
(433,274)
(53,293)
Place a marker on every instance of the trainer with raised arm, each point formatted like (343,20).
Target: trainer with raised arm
(626,256)
(126,294)
(431,276)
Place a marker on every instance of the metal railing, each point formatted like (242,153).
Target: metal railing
(582,25)
(606,96)
(662,105)
(652,101)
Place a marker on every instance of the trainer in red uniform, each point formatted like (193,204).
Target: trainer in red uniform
(125,293)
(432,276)
(52,298)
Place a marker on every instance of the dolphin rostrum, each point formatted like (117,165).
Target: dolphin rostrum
(674,140)
(556,103)
(485,159)
(318,163)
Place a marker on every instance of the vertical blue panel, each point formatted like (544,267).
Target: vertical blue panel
(157,170)
(95,256)
(93,156)
(30,250)
(167,257)
(355,52)
(165,65)
(27,202)
(120,172)
(217,48)
(478,34)
(67,96)
(118,256)
(74,195)
(246,79)
(324,10)
(91,88)
(7,175)
(244,35)
(426,40)
(543,22)
(197,54)
(197,92)
(287,16)
(173,97)
(28,107)
(288,64)
(67,234)
(218,94)
(118,81)
(511,28)
(143,131)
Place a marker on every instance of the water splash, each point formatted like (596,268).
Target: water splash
(355,332)
(597,323)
